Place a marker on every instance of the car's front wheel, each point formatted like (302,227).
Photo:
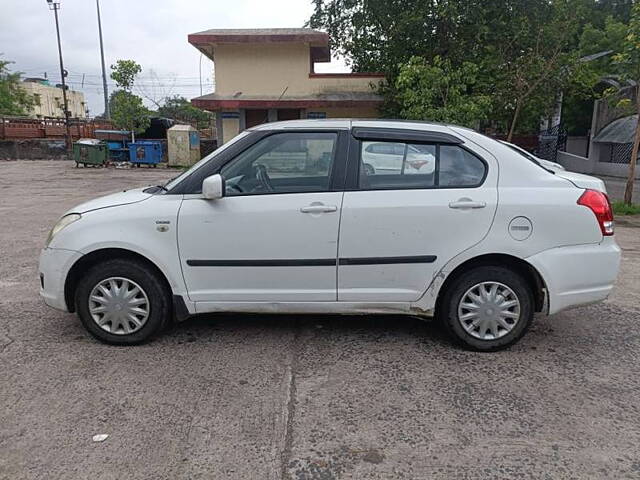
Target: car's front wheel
(488,308)
(122,302)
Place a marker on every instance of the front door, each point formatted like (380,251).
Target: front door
(416,206)
(273,236)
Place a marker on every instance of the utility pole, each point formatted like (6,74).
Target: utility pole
(55,6)
(200,71)
(107,113)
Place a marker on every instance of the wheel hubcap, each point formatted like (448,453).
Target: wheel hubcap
(489,310)
(119,306)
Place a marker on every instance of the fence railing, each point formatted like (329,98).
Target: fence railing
(620,153)
(16,128)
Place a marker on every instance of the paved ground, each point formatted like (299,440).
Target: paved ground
(244,397)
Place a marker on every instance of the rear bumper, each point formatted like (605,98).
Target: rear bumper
(55,264)
(579,274)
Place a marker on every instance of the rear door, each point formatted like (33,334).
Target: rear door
(400,226)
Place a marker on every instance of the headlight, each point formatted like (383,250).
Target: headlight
(63,222)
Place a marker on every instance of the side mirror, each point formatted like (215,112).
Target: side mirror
(213,187)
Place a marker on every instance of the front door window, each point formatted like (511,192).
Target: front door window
(283,163)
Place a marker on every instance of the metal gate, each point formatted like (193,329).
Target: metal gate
(550,141)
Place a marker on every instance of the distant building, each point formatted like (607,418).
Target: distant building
(49,102)
(266,75)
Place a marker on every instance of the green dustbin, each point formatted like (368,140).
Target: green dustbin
(90,153)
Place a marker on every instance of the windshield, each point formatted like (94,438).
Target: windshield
(176,180)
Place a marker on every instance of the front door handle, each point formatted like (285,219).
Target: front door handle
(318,207)
(467,203)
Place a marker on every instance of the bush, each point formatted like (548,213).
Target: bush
(619,208)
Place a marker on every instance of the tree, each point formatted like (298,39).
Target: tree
(628,65)
(124,73)
(179,108)
(439,92)
(525,50)
(14,100)
(127,109)
(128,112)
(532,58)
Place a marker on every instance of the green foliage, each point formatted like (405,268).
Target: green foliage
(628,65)
(128,111)
(627,60)
(179,108)
(14,100)
(526,51)
(124,73)
(620,208)
(439,92)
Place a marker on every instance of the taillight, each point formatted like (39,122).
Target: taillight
(599,204)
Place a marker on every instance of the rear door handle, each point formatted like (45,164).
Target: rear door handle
(317,207)
(467,203)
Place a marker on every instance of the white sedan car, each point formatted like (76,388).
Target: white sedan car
(287,218)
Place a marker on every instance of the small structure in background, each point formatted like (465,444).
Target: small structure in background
(49,102)
(267,75)
(183,145)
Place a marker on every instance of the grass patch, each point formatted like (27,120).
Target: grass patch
(619,208)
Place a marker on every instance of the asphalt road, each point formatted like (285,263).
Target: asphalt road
(279,397)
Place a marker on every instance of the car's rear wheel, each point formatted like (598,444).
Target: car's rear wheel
(487,308)
(122,302)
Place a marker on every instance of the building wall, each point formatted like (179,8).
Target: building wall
(592,166)
(272,70)
(233,126)
(230,128)
(351,112)
(49,102)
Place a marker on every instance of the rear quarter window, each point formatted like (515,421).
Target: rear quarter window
(459,168)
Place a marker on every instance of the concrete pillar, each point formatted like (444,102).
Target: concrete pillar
(242,120)
(230,125)
(219,135)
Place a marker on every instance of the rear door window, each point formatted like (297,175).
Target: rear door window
(398,165)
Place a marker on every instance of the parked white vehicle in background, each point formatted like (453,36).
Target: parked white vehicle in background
(287,218)
(388,157)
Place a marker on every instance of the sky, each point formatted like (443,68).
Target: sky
(151,32)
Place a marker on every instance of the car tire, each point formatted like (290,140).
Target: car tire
(500,325)
(133,303)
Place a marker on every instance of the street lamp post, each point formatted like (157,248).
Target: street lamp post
(55,6)
(107,113)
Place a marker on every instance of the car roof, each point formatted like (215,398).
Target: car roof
(347,123)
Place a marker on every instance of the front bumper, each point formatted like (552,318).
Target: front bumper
(579,274)
(55,264)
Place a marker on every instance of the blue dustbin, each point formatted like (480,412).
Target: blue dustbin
(146,152)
